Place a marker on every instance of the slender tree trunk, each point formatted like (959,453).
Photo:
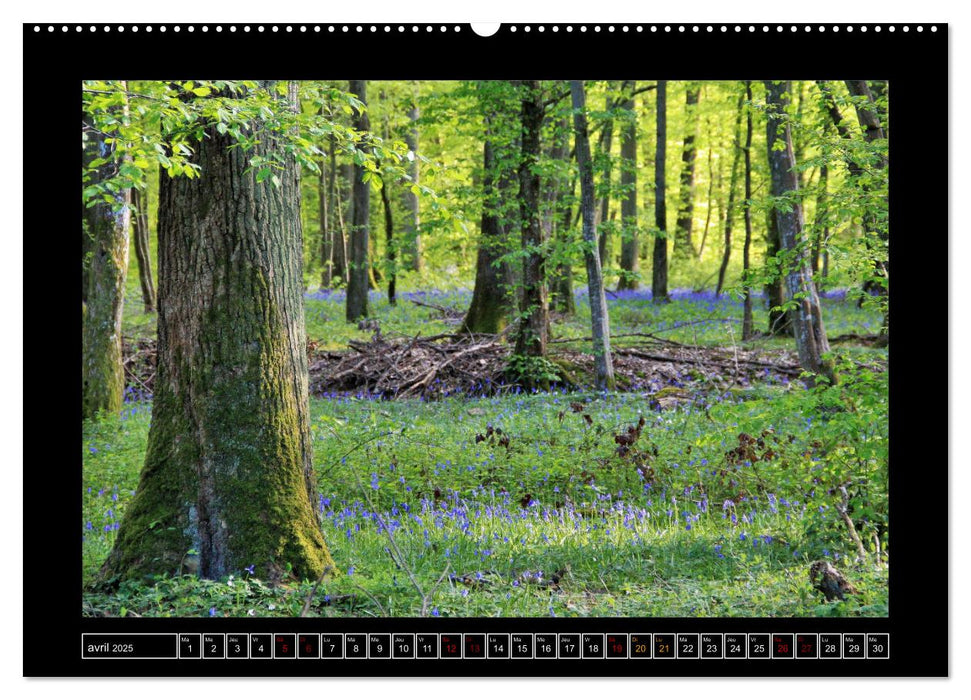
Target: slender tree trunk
(822,226)
(413,219)
(534,320)
(748,328)
(557,218)
(729,210)
(711,189)
(659,276)
(603,153)
(359,266)
(143,251)
(565,300)
(337,225)
(107,224)
(228,473)
(343,210)
(811,342)
(630,256)
(326,237)
(600,321)
(390,251)
(682,236)
(780,321)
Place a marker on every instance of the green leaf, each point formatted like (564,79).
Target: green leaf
(262,174)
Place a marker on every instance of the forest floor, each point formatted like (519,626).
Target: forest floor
(705,488)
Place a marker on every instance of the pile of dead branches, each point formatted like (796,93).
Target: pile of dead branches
(428,367)
(140,360)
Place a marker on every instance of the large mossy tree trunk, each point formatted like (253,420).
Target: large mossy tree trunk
(600,321)
(630,247)
(228,473)
(807,320)
(534,307)
(659,273)
(358,274)
(143,249)
(686,197)
(106,228)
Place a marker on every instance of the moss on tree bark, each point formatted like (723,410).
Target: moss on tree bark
(106,227)
(228,471)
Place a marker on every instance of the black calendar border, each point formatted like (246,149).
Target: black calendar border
(916,64)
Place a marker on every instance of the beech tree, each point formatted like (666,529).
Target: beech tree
(600,322)
(630,250)
(603,156)
(228,474)
(686,199)
(748,328)
(534,306)
(558,216)
(492,305)
(807,320)
(659,273)
(358,265)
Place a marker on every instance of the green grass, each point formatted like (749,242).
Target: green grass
(693,521)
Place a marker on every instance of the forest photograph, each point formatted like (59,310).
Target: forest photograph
(485,348)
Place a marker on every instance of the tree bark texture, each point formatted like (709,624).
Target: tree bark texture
(228,471)
(603,154)
(326,234)
(490,309)
(659,273)
(359,266)
(811,342)
(342,206)
(630,247)
(600,321)
(534,310)
(748,327)
(107,230)
(686,199)
(390,247)
(143,250)
(558,190)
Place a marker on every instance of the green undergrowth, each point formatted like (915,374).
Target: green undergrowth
(555,504)
(691,318)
